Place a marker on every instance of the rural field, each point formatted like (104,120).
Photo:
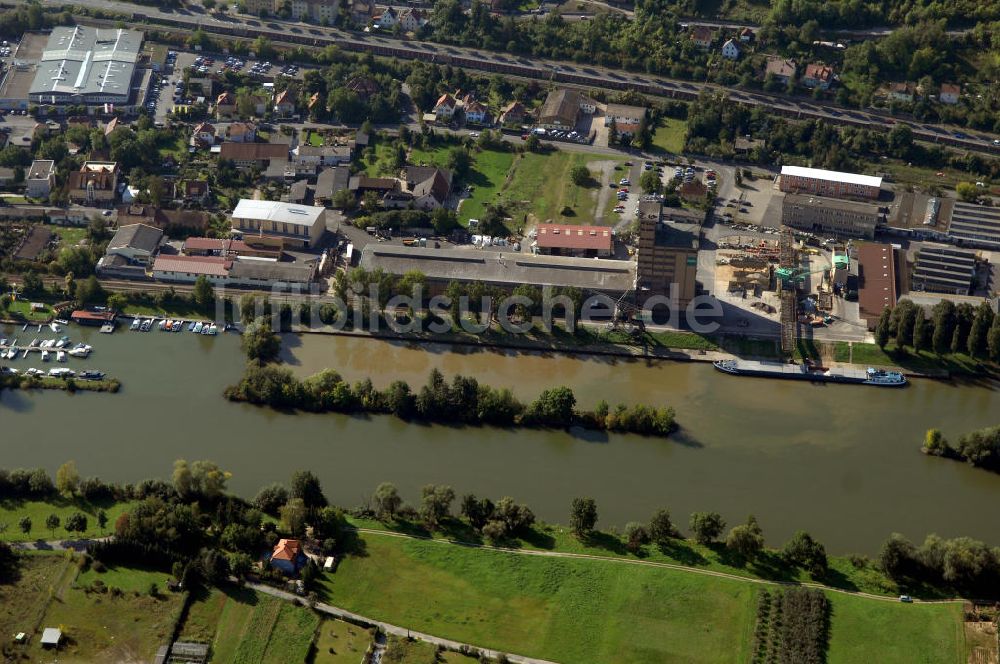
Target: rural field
(566,610)
(246,627)
(339,642)
(98,623)
(12,511)
(577,610)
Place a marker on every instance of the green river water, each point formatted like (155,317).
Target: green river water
(841,461)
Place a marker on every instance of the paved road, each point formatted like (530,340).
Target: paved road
(537,68)
(389,628)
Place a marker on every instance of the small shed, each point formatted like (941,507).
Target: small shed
(328,565)
(51,637)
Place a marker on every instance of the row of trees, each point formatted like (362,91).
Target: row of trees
(962,563)
(792,626)
(951,328)
(462,401)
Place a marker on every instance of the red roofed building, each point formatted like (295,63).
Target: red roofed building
(702,36)
(571,240)
(225,105)
(284,105)
(97,318)
(818,76)
(445,107)
(288,556)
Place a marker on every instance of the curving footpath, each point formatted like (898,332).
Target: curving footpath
(651,563)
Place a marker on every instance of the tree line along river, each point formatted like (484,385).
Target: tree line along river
(840,461)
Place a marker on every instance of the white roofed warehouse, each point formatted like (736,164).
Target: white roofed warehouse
(84,65)
(297,225)
(801,180)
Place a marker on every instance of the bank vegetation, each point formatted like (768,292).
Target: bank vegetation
(979,448)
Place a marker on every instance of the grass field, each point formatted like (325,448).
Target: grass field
(70,236)
(405,651)
(566,610)
(593,611)
(541,186)
(97,627)
(486,178)
(863,631)
(23,601)
(21,310)
(129,579)
(11,513)
(925,361)
(247,627)
(339,642)
(670,135)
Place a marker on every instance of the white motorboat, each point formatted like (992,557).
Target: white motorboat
(45,356)
(63,341)
(61,372)
(198,327)
(135,324)
(61,356)
(214,329)
(54,327)
(163,324)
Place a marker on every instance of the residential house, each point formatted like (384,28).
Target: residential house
(445,107)
(950,93)
(746,35)
(731,50)
(186,221)
(361,184)
(260,102)
(475,112)
(513,113)
(203,135)
(412,19)
(225,105)
(626,119)
(326,155)
(241,132)
(187,269)
(40,178)
(818,76)
(297,225)
(315,11)
(902,92)
(562,109)
(136,243)
(254,155)
(284,104)
(298,192)
(429,186)
(781,69)
(386,19)
(95,184)
(191,191)
(701,35)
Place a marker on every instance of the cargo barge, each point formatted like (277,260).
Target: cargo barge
(869,376)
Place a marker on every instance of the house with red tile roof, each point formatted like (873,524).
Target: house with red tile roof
(288,556)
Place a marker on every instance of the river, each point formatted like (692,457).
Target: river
(841,461)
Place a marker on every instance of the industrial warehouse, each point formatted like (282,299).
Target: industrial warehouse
(89,66)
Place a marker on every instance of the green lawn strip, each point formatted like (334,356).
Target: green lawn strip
(339,642)
(257,631)
(100,627)
(129,579)
(559,609)
(21,310)
(544,537)
(292,635)
(863,631)
(670,135)
(12,511)
(382,166)
(924,361)
(202,619)
(486,178)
